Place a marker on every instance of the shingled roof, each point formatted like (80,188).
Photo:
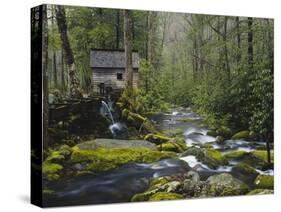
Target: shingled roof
(101,58)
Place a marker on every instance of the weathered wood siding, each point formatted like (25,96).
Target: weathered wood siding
(109,78)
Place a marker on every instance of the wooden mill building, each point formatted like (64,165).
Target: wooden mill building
(108,68)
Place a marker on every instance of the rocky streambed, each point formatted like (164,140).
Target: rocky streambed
(185,160)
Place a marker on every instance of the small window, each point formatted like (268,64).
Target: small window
(119,76)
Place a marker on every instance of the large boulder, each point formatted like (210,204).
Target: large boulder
(115,143)
(244,172)
(214,158)
(226,185)
(103,159)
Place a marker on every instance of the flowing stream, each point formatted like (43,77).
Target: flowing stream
(121,184)
(195,134)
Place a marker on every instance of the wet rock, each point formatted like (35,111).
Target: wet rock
(210,157)
(191,180)
(226,185)
(220,140)
(212,133)
(264,182)
(244,172)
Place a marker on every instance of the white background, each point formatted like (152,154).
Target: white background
(15,106)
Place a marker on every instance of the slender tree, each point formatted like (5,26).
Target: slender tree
(68,55)
(250,44)
(45,76)
(128,48)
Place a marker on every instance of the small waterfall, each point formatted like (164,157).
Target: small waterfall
(108,111)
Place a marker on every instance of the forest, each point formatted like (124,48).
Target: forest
(203,104)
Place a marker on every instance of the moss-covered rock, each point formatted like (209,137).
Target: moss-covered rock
(165,196)
(258,159)
(264,182)
(224,131)
(237,154)
(197,152)
(173,146)
(51,170)
(220,140)
(156,138)
(245,172)
(142,196)
(158,182)
(226,185)
(65,150)
(262,154)
(105,159)
(212,133)
(214,158)
(260,192)
(242,134)
(210,157)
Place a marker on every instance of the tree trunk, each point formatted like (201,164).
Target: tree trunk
(128,49)
(55,69)
(226,61)
(250,44)
(151,43)
(62,72)
(45,76)
(54,52)
(117,25)
(68,55)
(238,37)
